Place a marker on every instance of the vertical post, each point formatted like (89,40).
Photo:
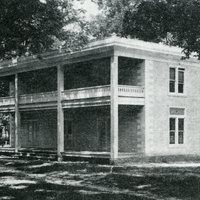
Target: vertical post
(17,114)
(11,129)
(114,108)
(60,112)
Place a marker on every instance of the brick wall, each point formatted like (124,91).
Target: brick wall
(157,104)
(131,129)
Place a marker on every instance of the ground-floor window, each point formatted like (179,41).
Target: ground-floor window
(176,126)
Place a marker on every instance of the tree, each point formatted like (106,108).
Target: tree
(110,20)
(35,26)
(174,22)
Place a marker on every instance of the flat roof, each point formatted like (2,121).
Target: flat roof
(94,50)
(138,44)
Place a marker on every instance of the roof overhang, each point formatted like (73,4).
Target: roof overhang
(100,49)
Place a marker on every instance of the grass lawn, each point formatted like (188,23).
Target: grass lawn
(30,180)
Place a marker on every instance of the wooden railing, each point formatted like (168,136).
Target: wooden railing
(89,92)
(7,101)
(130,91)
(73,94)
(38,97)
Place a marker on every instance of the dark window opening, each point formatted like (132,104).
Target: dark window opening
(172,78)
(172,126)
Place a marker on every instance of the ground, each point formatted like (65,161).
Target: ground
(30,180)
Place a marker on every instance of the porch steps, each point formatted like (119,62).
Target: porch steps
(37,154)
(51,155)
(86,154)
(29,154)
(92,157)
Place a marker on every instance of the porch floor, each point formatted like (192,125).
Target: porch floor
(51,152)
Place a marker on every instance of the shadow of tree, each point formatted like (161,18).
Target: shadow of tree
(47,191)
(81,181)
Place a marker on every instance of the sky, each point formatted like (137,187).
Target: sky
(90,7)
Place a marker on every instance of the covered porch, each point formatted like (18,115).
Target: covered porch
(87,132)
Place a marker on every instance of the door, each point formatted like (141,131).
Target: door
(32,133)
(103,134)
(68,137)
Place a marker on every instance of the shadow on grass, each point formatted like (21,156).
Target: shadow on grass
(47,191)
(131,184)
(163,186)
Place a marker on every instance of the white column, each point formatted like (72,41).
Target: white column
(60,112)
(17,114)
(114,108)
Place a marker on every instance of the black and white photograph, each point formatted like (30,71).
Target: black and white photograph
(99,99)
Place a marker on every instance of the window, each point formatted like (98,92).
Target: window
(180,80)
(180,130)
(172,79)
(176,126)
(176,80)
(172,126)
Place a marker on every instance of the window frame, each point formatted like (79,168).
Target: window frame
(172,131)
(177,131)
(176,81)
(172,80)
(179,69)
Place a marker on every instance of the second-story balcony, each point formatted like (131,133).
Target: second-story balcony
(133,95)
(85,93)
(103,91)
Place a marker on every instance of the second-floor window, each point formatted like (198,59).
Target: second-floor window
(176,80)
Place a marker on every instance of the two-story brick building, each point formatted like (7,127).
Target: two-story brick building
(115,98)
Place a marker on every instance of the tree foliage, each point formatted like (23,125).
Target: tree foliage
(30,27)
(174,22)
(35,26)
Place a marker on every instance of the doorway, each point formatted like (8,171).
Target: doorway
(31,127)
(68,135)
(103,129)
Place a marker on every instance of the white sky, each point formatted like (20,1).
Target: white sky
(90,7)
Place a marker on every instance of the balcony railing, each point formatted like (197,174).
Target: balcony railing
(89,92)
(103,91)
(130,91)
(7,101)
(38,97)
(75,94)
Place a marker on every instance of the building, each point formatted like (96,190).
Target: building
(116,98)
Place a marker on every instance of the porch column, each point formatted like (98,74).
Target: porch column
(17,114)
(114,108)
(60,112)
(11,129)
